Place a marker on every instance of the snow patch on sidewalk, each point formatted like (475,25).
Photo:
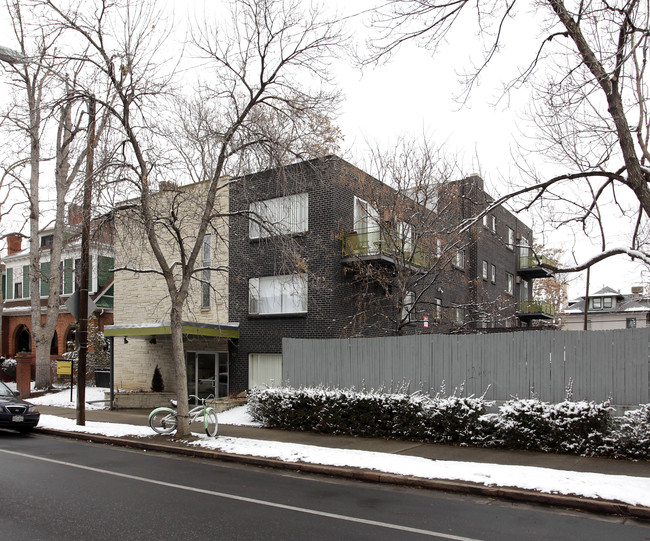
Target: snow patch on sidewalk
(62,398)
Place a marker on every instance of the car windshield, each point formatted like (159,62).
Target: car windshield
(5,391)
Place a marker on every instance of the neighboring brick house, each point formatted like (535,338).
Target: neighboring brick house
(608,309)
(300,278)
(16,314)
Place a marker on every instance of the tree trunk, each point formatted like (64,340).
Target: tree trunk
(178,356)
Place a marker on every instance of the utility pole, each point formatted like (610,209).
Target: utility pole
(85,269)
(586,323)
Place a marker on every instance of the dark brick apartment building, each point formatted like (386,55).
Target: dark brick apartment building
(321,249)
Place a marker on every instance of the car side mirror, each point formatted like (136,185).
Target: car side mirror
(17,394)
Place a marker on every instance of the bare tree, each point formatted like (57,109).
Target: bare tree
(46,115)
(408,242)
(251,64)
(590,90)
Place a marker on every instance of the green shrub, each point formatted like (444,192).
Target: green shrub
(157,383)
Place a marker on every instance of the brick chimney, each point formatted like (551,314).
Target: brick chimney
(75,214)
(14,243)
(637,291)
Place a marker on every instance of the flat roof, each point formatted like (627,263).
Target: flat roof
(223,330)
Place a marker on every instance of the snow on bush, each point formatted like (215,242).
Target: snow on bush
(569,427)
(633,434)
(371,414)
(576,427)
(8,367)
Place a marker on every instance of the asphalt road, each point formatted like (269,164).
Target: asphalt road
(53,488)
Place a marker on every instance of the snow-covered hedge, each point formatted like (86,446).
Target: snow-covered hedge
(631,438)
(576,427)
(568,427)
(8,367)
(371,414)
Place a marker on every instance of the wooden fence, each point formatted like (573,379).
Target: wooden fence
(600,364)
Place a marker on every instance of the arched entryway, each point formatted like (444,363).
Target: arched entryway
(54,345)
(23,339)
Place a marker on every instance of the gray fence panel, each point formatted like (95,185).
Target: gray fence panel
(598,363)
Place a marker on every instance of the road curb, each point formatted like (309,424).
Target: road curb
(461,487)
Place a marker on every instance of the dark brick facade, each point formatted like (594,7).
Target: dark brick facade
(332,184)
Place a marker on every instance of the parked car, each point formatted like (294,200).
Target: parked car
(15,413)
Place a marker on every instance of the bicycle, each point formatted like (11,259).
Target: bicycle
(164,420)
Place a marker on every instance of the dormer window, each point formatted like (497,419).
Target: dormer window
(608,302)
(597,303)
(47,241)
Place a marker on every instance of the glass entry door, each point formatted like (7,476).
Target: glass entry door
(207,373)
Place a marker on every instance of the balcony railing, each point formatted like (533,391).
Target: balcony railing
(531,261)
(536,307)
(531,266)
(382,245)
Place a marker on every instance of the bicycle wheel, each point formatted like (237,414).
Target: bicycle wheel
(210,422)
(163,420)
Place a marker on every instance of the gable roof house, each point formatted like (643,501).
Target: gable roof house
(318,249)
(608,309)
(16,314)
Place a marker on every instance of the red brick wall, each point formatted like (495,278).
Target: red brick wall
(11,325)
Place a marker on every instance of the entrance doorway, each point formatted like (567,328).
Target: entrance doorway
(207,373)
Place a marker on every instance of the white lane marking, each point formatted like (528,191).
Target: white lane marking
(255,501)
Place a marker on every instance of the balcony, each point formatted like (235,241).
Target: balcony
(379,246)
(529,310)
(530,266)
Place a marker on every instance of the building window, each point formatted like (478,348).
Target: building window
(437,309)
(525,292)
(18,290)
(279,216)
(405,232)
(511,239)
(459,259)
(485,220)
(47,241)
(597,303)
(493,274)
(264,370)
(510,283)
(407,308)
(205,273)
(459,315)
(485,270)
(493,224)
(278,295)
(630,323)
(607,302)
(438,248)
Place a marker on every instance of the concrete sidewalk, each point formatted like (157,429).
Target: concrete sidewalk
(423,450)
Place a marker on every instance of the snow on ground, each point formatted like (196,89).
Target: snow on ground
(115,430)
(62,398)
(237,416)
(627,489)
(632,490)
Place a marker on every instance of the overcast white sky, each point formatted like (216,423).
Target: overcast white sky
(413,95)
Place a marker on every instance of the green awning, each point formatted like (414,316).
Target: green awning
(216,330)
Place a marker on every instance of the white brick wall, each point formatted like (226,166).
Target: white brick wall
(143,297)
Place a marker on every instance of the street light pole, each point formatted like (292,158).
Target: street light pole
(85,267)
